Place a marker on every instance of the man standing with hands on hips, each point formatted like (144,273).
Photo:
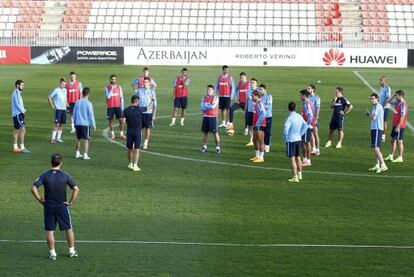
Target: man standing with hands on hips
(55,204)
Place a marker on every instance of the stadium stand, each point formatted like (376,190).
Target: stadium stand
(224,22)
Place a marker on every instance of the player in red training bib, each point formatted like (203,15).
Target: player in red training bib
(180,96)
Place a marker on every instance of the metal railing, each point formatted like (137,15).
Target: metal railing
(203,39)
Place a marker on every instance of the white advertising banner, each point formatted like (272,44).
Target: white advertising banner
(259,56)
(148,55)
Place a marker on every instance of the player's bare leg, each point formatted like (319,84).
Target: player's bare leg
(183,112)
(111,128)
(385,131)
(130,158)
(299,167)
(217,141)
(293,166)
(400,148)
(22,132)
(59,132)
(341,138)
(121,128)
(50,238)
(330,136)
(317,140)
(136,157)
(205,141)
(223,118)
(173,117)
(72,123)
(260,146)
(54,133)
(313,145)
(393,146)
(256,146)
(15,138)
(147,136)
(70,237)
(86,149)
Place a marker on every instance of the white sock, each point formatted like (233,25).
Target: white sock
(121,133)
(73,125)
(52,252)
(112,133)
(205,146)
(135,165)
(22,146)
(146,141)
(53,135)
(261,155)
(173,120)
(59,134)
(85,154)
(224,122)
(314,149)
(78,153)
(305,160)
(257,153)
(182,120)
(15,146)
(309,160)
(72,250)
(130,164)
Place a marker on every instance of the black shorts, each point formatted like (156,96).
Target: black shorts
(147,120)
(224,103)
(83,132)
(249,119)
(376,136)
(133,139)
(18,121)
(181,103)
(293,149)
(397,135)
(260,128)
(209,125)
(307,136)
(60,116)
(337,122)
(71,107)
(113,112)
(57,213)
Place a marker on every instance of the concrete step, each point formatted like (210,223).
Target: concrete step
(53,17)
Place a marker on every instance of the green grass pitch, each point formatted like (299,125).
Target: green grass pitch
(185,196)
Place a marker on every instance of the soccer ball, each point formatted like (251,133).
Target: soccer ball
(230,132)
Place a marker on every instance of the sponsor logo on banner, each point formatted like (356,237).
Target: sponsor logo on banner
(271,56)
(334,55)
(170,55)
(66,54)
(14,55)
(364,57)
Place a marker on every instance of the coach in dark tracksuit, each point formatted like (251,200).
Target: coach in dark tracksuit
(133,117)
(55,205)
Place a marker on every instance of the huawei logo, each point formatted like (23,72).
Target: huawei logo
(334,55)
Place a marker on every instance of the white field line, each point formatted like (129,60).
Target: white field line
(222,244)
(105,134)
(375,91)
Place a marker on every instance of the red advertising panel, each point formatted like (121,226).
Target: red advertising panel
(14,55)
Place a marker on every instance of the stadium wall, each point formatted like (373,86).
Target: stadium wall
(205,56)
